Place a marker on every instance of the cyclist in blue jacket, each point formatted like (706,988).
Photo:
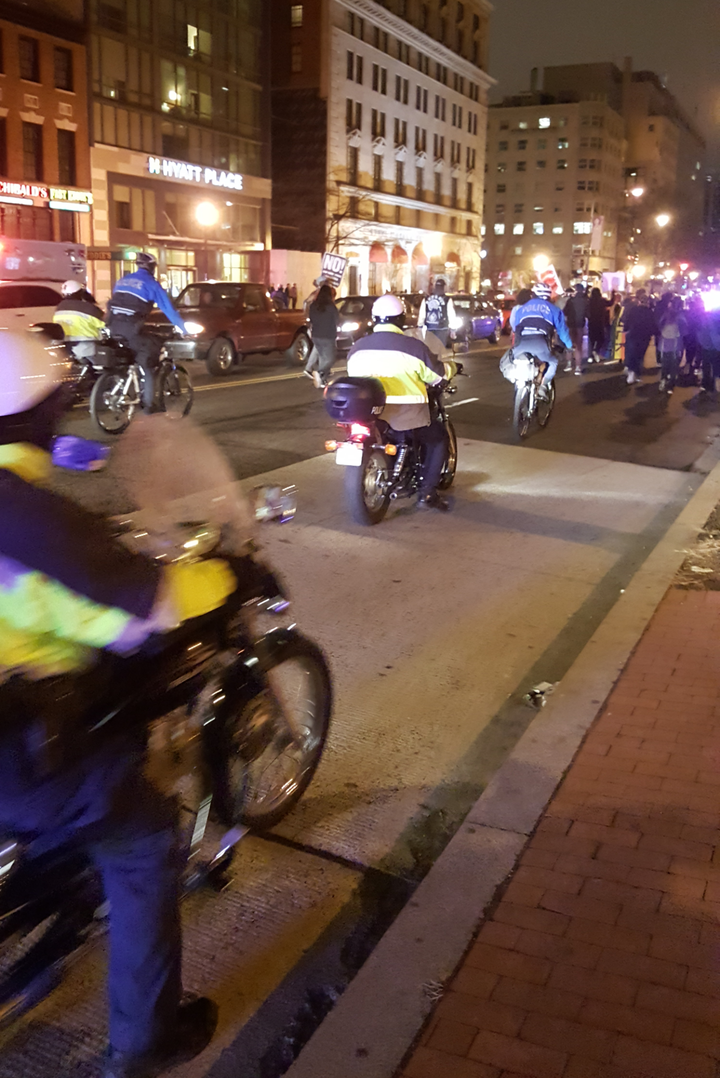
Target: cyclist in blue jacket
(535,323)
(133,297)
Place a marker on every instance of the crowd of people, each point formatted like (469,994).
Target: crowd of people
(620,329)
(287,297)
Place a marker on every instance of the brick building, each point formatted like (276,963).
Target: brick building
(44,152)
(379,114)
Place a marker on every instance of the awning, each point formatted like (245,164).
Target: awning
(378,253)
(452,259)
(419,257)
(399,255)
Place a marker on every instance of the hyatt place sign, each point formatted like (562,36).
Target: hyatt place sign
(182,170)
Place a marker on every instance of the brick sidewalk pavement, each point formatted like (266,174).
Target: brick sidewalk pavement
(602,958)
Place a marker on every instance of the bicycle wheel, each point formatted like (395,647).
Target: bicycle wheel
(545,405)
(175,391)
(275,746)
(110,409)
(522,413)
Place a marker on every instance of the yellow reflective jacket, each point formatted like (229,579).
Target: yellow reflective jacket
(69,589)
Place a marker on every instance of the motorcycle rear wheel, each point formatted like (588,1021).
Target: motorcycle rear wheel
(110,412)
(367,487)
(451,460)
(277,742)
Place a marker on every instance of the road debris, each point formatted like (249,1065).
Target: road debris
(537,697)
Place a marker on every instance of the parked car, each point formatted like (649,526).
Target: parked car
(356,318)
(25,303)
(227,320)
(477,319)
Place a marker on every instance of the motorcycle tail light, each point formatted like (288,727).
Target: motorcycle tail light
(391,450)
(331,446)
(357,430)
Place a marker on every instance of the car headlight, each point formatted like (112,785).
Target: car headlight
(457,323)
(194,328)
(349,327)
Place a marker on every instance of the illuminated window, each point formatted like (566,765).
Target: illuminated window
(499,230)
(538,228)
(518,229)
(522,125)
(544,121)
(296,15)
(558,230)
(582,227)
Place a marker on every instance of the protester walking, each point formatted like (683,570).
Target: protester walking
(640,327)
(324,319)
(293,295)
(597,316)
(575,315)
(672,329)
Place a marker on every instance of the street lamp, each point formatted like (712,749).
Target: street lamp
(637,192)
(541,263)
(207,216)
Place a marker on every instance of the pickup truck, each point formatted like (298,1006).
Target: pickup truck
(226,321)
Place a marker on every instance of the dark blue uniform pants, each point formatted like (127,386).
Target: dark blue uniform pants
(146,349)
(434,439)
(106,806)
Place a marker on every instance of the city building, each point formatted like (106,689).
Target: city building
(44,156)
(554,186)
(379,114)
(180,138)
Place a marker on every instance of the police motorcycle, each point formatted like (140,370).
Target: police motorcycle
(86,366)
(232,708)
(382,464)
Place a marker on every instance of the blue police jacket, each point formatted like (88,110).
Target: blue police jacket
(540,316)
(136,294)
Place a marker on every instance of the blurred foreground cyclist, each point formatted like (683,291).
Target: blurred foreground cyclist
(68,590)
(406,367)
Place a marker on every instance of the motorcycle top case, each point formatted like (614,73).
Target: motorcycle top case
(354,400)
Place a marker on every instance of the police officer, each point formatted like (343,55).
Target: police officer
(406,367)
(133,297)
(437,313)
(80,317)
(68,591)
(535,324)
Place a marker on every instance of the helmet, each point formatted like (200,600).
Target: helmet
(69,288)
(387,308)
(146,261)
(542,290)
(32,371)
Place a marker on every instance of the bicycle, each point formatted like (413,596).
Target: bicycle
(533,401)
(117,393)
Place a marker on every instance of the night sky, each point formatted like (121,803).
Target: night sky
(678,39)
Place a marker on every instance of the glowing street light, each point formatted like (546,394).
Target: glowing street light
(662,220)
(637,192)
(541,263)
(638,272)
(206,214)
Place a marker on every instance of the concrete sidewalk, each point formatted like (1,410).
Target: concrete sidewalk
(601,958)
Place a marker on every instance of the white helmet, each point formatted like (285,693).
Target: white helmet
(542,290)
(387,307)
(31,370)
(70,287)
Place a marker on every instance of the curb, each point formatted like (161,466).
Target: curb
(370,1030)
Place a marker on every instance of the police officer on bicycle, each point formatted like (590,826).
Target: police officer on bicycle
(535,323)
(133,297)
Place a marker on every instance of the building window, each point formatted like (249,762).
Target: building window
(521,166)
(351,66)
(67,171)
(522,144)
(469,198)
(542,144)
(501,166)
(454,193)
(499,230)
(296,59)
(538,228)
(519,207)
(353,165)
(3,146)
(517,250)
(378,124)
(400,132)
(540,164)
(558,230)
(562,163)
(400,178)
(377,171)
(518,229)
(29,55)
(359,64)
(438,188)
(419,184)
(296,15)
(501,188)
(121,196)
(522,124)
(32,151)
(63,69)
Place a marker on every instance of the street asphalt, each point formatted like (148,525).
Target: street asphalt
(436,627)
